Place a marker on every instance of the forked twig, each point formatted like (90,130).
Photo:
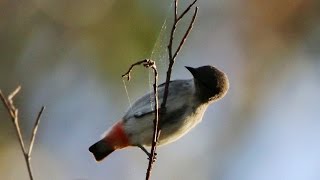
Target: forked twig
(172,56)
(13,112)
(150,64)
(146,63)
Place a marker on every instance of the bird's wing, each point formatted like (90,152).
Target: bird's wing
(145,105)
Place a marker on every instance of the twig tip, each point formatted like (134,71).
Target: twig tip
(14,93)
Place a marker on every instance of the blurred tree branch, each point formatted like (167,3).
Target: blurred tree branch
(13,112)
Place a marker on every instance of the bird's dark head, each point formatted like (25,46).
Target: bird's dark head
(211,83)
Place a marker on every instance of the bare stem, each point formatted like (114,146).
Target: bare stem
(156,131)
(13,94)
(146,63)
(186,10)
(186,33)
(13,112)
(150,64)
(172,56)
(34,132)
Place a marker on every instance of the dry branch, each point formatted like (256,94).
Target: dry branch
(172,56)
(13,112)
(151,64)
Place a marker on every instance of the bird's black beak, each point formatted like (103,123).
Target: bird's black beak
(193,71)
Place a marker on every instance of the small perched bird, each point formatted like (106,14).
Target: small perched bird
(187,101)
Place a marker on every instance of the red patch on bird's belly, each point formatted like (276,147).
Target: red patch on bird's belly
(117,137)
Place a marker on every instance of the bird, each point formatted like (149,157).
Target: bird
(186,104)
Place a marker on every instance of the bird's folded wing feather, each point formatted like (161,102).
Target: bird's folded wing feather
(145,105)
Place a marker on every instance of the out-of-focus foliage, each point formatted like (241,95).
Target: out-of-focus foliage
(70,55)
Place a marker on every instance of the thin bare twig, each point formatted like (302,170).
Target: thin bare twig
(156,128)
(186,10)
(172,56)
(186,33)
(13,94)
(13,112)
(35,130)
(150,64)
(175,9)
(146,63)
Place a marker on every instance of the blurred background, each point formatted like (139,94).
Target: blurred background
(70,55)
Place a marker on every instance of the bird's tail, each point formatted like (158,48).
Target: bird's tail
(101,149)
(115,138)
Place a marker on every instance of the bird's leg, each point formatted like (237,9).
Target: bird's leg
(146,151)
